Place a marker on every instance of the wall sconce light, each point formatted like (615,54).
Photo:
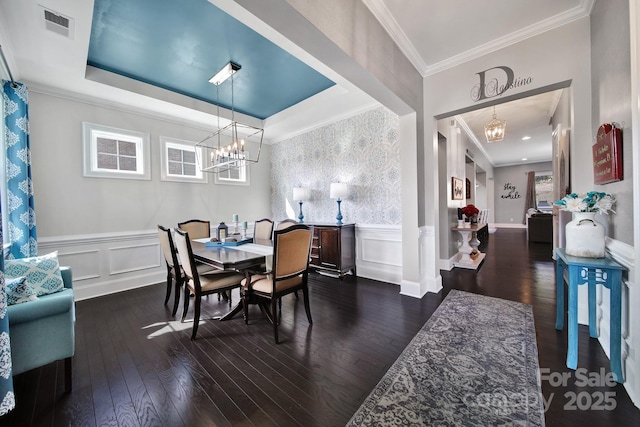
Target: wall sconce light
(301,195)
(338,190)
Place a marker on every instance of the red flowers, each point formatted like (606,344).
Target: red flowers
(470,211)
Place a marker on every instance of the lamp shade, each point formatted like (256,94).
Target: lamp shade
(338,190)
(300,194)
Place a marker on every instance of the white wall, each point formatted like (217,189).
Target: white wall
(105,229)
(611,76)
(509,202)
(68,204)
(612,84)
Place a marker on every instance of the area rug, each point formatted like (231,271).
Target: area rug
(473,363)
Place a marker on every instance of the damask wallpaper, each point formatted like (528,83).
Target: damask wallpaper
(362,151)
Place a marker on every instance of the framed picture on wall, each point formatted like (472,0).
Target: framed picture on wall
(457,188)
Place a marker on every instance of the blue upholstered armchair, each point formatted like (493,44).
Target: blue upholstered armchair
(43,331)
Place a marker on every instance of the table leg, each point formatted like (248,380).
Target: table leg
(615,316)
(235,310)
(465,248)
(474,242)
(572,352)
(560,267)
(591,283)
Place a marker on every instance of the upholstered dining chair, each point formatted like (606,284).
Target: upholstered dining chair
(175,274)
(197,228)
(215,281)
(291,250)
(263,229)
(286,223)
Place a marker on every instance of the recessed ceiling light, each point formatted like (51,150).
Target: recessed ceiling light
(524,158)
(524,138)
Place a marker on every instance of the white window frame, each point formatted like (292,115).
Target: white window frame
(243,180)
(165,144)
(541,173)
(91,132)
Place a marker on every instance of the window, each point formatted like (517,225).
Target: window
(544,191)
(236,173)
(180,161)
(115,153)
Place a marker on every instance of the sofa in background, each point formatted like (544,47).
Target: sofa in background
(43,331)
(540,228)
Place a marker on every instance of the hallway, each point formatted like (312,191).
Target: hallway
(518,270)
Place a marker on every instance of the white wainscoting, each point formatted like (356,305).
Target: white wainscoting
(113,262)
(623,254)
(106,263)
(379,252)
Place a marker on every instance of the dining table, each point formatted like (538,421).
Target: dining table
(241,258)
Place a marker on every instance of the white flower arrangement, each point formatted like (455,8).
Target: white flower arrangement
(593,201)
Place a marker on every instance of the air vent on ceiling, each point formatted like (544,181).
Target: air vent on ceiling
(57,23)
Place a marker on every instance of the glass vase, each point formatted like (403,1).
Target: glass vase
(584,236)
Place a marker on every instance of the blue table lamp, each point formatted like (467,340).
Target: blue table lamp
(338,190)
(301,195)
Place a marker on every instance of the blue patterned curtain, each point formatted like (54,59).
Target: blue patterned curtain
(22,218)
(7,398)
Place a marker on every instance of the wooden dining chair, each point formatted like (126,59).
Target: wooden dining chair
(286,223)
(263,229)
(197,228)
(291,251)
(175,273)
(200,284)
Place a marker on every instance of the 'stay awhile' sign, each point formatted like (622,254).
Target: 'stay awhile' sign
(607,154)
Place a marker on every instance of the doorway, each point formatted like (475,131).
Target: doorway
(495,169)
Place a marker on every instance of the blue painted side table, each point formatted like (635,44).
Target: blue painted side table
(592,271)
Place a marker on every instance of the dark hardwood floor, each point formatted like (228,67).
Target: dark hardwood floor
(135,365)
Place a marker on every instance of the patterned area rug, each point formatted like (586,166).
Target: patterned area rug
(473,363)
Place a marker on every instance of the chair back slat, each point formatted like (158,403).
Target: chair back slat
(292,247)
(197,228)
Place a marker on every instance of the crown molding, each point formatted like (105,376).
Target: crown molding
(380,11)
(557,21)
(472,136)
(388,22)
(325,122)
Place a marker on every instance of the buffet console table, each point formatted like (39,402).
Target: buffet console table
(470,243)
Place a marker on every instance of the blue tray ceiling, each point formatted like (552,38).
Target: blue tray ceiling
(180,45)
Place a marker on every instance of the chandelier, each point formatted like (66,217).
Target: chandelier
(228,148)
(495,129)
